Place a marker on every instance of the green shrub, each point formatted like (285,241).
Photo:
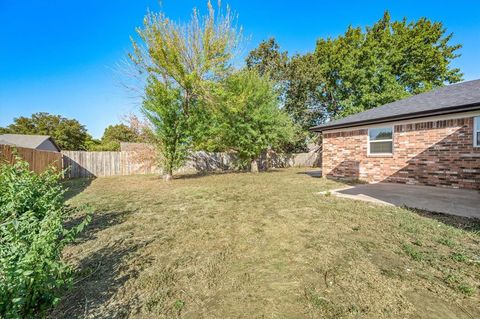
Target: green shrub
(32,235)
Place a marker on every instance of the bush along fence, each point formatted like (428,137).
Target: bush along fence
(33,232)
(142,161)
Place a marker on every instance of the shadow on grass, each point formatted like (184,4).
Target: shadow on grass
(347,182)
(100,274)
(314,174)
(76,186)
(99,278)
(203,174)
(464,223)
(100,221)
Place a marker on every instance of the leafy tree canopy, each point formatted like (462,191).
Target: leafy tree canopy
(119,133)
(187,56)
(163,107)
(113,136)
(248,119)
(267,60)
(388,61)
(182,63)
(69,134)
(362,68)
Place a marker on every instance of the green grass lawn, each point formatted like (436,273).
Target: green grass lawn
(262,246)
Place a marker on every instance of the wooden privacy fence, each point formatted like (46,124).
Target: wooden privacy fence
(95,164)
(39,161)
(92,164)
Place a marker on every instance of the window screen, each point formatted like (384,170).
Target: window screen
(380,140)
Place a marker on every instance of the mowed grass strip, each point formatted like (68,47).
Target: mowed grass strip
(262,246)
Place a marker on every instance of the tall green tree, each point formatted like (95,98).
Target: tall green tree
(248,119)
(182,62)
(163,106)
(268,60)
(69,134)
(188,56)
(302,101)
(119,133)
(388,61)
(113,136)
(365,68)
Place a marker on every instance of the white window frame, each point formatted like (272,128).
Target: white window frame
(389,140)
(476,122)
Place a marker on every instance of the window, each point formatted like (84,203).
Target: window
(380,140)
(476,131)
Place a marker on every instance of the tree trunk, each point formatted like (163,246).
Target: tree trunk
(168,176)
(254,166)
(267,159)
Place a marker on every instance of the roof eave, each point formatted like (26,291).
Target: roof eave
(449,110)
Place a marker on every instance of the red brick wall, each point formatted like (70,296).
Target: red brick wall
(437,153)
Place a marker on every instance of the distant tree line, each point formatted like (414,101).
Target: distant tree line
(69,134)
(116,134)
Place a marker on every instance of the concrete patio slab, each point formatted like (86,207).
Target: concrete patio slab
(460,202)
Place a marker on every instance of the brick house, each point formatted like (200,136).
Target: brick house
(431,139)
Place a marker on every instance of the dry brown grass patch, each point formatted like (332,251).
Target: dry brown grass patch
(262,246)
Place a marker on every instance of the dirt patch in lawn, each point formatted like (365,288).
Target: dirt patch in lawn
(262,246)
(465,223)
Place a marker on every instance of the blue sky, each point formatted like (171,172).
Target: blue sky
(62,57)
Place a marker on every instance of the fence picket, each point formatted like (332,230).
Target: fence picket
(92,164)
(38,160)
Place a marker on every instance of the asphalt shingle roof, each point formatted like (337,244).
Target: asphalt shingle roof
(459,94)
(28,141)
